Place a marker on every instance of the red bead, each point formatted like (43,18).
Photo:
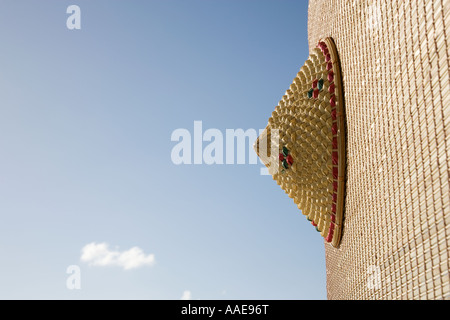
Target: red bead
(281,157)
(331,227)
(331,88)
(325,51)
(327,58)
(329,237)
(322,44)
(316,94)
(333,208)
(333,218)
(329,66)
(334,114)
(330,76)
(335,157)
(335,143)
(333,101)
(290,160)
(335,186)
(313,223)
(335,172)
(334,197)
(334,129)
(314,84)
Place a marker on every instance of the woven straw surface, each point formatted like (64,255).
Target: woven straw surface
(395,68)
(307,142)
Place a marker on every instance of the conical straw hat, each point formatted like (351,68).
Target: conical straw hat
(309,158)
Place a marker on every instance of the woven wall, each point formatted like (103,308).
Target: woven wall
(395,65)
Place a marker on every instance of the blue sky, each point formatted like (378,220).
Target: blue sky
(85,136)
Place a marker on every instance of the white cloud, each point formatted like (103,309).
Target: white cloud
(99,254)
(186,295)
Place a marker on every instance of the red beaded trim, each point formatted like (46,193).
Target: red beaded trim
(334,129)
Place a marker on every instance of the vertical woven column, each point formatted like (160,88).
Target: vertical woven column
(395,68)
